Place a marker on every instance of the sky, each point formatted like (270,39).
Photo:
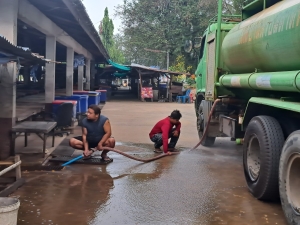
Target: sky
(95,9)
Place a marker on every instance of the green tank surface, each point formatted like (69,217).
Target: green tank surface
(268,41)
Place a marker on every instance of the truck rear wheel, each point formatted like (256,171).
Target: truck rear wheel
(289,178)
(201,123)
(261,152)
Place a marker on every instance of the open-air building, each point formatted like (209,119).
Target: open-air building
(58,32)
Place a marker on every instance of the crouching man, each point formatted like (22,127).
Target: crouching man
(96,133)
(163,130)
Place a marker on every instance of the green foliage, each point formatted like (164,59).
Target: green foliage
(106,30)
(165,25)
(190,82)
(162,25)
(179,65)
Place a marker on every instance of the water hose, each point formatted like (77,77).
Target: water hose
(157,157)
(207,125)
(124,154)
(138,159)
(73,160)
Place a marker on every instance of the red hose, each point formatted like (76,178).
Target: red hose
(138,159)
(173,153)
(207,125)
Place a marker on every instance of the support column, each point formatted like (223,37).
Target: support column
(70,72)
(8,27)
(50,70)
(26,75)
(93,74)
(88,74)
(80,78)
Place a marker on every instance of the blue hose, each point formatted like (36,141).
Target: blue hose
(72,160)
(75,159)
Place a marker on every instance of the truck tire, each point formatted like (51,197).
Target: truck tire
(289,178)
(263,142)
(208,141)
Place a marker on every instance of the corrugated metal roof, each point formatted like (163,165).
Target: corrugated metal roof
(74,19)
(9,49)
(137,66)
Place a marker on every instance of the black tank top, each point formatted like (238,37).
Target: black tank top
(95,130)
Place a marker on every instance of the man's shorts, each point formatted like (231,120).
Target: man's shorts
(91,144)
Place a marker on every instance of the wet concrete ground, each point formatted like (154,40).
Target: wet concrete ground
(205,186)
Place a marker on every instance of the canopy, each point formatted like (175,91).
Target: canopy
(120,74)
(118,66)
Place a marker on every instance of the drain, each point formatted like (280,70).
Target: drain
(42,168)
(91,161)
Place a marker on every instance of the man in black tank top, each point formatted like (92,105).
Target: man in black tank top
(96,133)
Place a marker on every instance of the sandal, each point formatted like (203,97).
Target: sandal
(106,159)
(158,151)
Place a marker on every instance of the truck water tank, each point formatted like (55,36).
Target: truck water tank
(268,41)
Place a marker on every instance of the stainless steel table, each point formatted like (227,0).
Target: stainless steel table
(40,128)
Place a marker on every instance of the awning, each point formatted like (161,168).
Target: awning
(120,74)
(12,52)
(150,69)
(119,66)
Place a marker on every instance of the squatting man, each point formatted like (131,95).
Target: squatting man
(96,133)
(165,130)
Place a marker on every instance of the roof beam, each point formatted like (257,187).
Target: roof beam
(39,21)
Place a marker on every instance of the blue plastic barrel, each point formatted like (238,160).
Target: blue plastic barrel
(93,96)
(84,103)
(103,95)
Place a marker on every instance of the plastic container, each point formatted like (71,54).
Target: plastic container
(93,96)
(77,98)
(57,103)
(108,91)
(83,103)
(103,95)
(9,208)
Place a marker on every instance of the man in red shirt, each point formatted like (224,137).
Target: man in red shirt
(163,130)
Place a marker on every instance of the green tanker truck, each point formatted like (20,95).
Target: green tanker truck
(249,72)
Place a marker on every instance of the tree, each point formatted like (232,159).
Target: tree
(106,31)
(166,25)
(162,25)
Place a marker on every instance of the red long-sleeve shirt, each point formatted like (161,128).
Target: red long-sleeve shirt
(164,127)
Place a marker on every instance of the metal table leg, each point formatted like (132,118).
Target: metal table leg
(26,139)
(13,143)
(53,139)
(44,144)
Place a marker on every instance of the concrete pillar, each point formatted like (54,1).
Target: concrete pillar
(50,69)
(88,74)
(80,78)
(8,28)
(93,73)
(26,75)
(70,72)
